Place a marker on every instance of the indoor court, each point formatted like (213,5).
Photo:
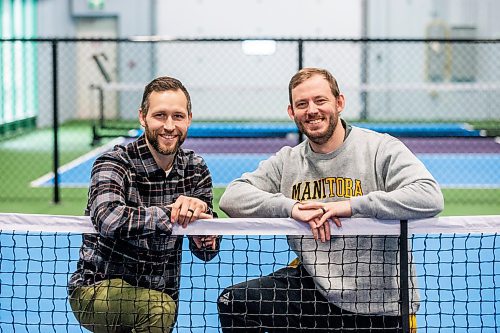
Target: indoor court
(72,78)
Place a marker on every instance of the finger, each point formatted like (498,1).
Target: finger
(328,233)
(310,205)
(198,242)
(321,231)
(186,216)
(314,230)
(336,220)
(194,214)
(174,212)
(177,208)
(210,242)
(205,216)
(326,216)
(207,242)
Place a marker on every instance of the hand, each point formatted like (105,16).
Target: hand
(312,216)
(206,242)
(188,209)
(332,210)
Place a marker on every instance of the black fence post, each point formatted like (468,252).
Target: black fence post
(403,278)
(300,65)
(364,61)
(55,124)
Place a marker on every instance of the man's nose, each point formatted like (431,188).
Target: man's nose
(169,124)
(312,108)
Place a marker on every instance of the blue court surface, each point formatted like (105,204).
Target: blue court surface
(450,170)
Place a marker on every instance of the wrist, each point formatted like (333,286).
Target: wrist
(346,208)
(294,208)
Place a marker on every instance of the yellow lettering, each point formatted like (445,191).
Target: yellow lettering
(330,181)
(307,191)
(296,191)
(358,190)
(318,189)
(348,187)
(340,186)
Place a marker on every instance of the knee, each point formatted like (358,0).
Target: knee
(234,299)
(224,300)
(162,316)
(158,312)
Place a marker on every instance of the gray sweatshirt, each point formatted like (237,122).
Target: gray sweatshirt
(383,180)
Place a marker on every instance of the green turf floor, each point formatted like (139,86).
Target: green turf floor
(73,201)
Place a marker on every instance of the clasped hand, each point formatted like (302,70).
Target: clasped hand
(316,214)
(186,210)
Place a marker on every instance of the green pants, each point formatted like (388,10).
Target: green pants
(116,306)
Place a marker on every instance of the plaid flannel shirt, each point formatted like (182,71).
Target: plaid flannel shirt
(128,199)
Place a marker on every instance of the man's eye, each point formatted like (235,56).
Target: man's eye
(301,105)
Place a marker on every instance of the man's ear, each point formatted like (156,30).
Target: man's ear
(291,113)
(142,118)
(340,103)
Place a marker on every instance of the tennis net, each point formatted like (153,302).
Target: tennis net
(456,260)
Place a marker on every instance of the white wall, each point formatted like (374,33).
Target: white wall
(259,18)
(227,84)
(224,82)
(406,63)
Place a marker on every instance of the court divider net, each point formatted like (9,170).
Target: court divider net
(453,260)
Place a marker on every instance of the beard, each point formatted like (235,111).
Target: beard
(152,136)
(319,138)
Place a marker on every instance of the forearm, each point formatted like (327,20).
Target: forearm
(420,199)
(242,199)
(115,219)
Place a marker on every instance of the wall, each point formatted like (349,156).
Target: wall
(228,84)
(65,19)
(397,66)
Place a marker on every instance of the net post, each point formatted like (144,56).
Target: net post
(403,277)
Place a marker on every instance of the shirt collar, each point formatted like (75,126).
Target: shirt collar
(149,164)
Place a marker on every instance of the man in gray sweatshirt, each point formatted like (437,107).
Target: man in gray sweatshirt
(337,283)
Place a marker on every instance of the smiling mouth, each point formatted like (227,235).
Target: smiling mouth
(168,137)
(314,121)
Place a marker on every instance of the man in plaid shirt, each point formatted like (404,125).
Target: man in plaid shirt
(128,273)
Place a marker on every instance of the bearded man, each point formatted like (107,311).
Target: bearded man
(127,279)
(337,283)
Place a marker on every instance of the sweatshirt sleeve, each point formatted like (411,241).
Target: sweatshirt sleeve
(257,194)
(408,189)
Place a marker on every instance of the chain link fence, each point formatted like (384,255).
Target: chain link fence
(442,97)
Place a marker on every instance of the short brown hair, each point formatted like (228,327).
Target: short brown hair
(307,73)
(163,83)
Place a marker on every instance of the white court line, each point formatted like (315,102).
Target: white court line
(91,154)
